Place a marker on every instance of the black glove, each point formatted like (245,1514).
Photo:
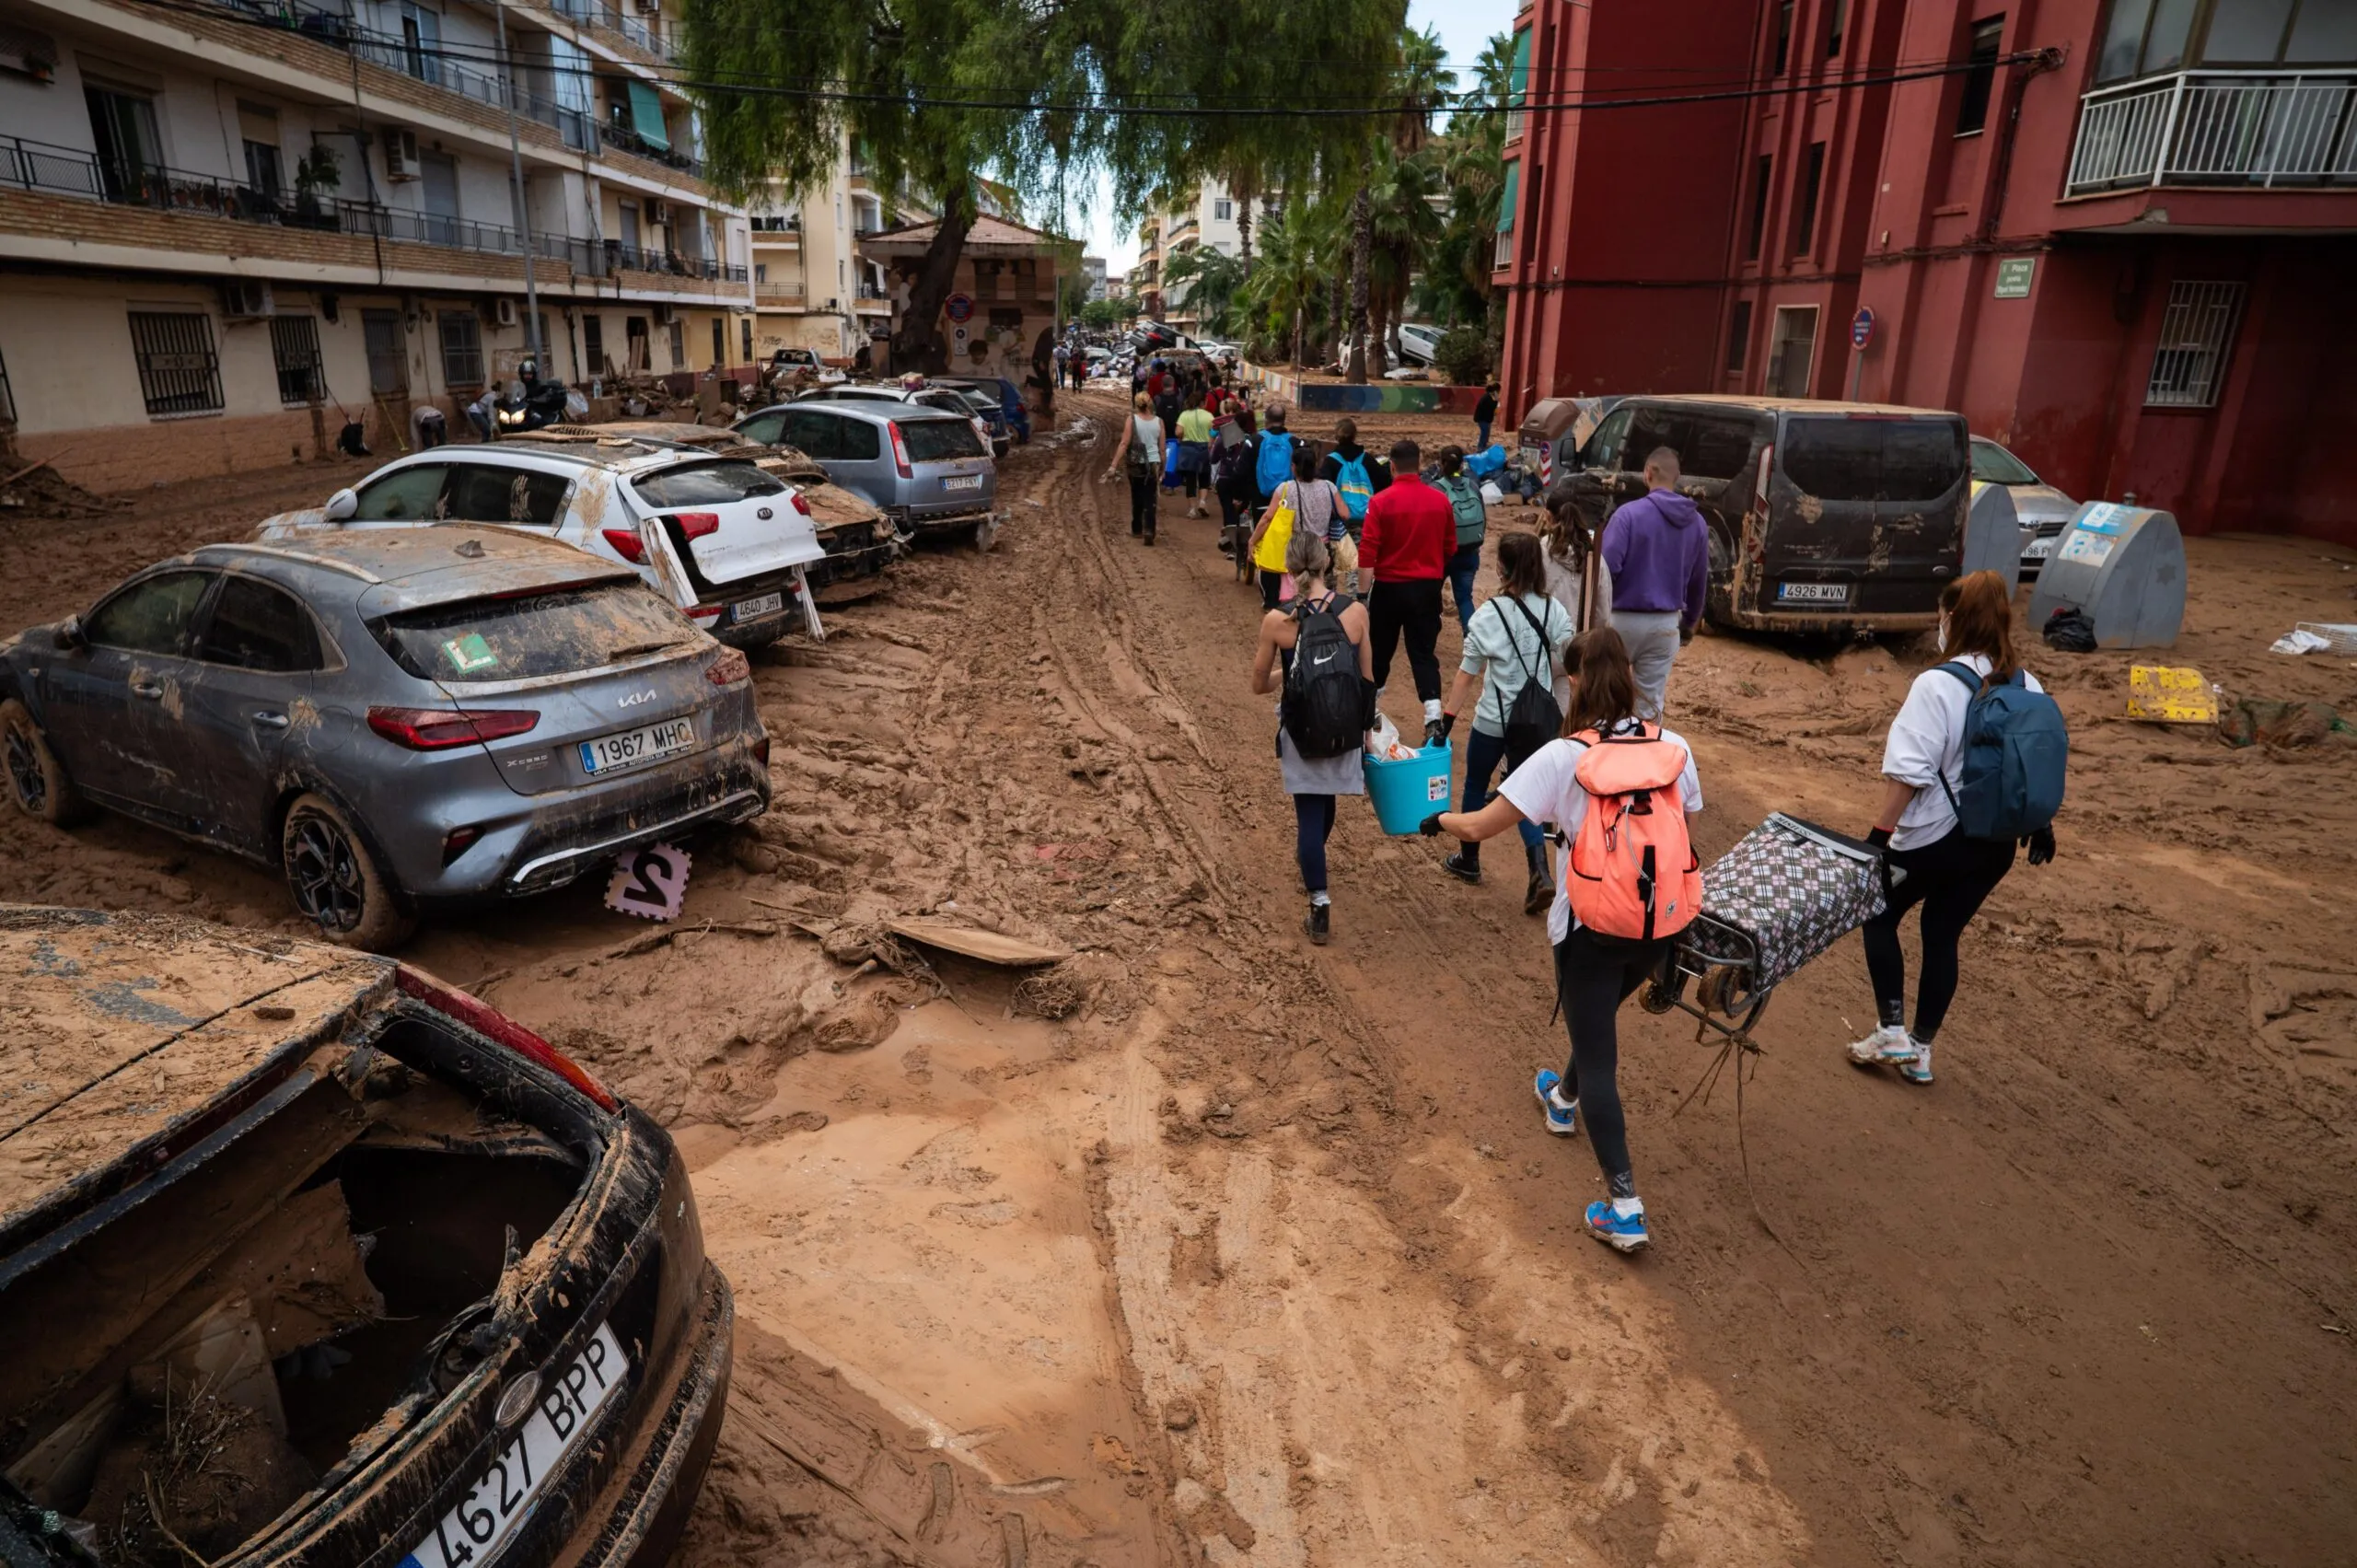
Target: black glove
(2041,846)
(1430,826)
(1439,732)
(1878,837)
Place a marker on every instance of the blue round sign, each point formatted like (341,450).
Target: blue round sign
(1862,327)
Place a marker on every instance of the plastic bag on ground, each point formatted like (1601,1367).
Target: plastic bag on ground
(2299,642)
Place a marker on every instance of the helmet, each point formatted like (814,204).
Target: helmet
(529,370)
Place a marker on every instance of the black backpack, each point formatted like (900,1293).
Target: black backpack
(1532,719)
(1326,698)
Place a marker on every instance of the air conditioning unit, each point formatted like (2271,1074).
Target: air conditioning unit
(400,155)
(651,8)
(504,312)
(246,299)
(666,314)
(658,212)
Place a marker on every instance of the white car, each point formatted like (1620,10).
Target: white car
(1418,341)
(726,542)
(2045,512)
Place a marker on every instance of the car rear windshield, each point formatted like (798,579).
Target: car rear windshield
(1905,461)
(561,633)
(705,484)
(937,440)
(1992,464)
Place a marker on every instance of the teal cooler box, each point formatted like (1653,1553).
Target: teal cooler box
(1407,791)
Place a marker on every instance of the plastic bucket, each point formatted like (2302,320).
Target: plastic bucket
(1408,791)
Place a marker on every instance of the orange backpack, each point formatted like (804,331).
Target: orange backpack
(1633,871)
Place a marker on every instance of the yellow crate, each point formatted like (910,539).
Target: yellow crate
(2164,695)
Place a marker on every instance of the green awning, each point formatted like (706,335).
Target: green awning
(646,115)
(1506,197)
(1519,78)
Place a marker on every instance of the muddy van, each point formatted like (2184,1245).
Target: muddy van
(1824,517)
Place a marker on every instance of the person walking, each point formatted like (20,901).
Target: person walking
(1464,492)
(1168,401)
(1302,504)
(1485,414)
(1272,459)
(1658,550)
(1195,455)
(1351,469)
(1516,638)
(1567,581)
(1410,532)
(1930,862)
(1139,456)
(1234,448)
(1321,643)
(1584,784)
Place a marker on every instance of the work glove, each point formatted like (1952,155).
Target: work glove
(2040,845)
(1878,837)
(1437,733)
(1430,826)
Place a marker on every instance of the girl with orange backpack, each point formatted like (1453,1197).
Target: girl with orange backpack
(1618,790)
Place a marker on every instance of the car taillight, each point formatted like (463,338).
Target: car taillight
(901,453)
(457,842)
(695,525)
(438,729)
(627,544)
(800,505)
(729,668)
(704,611)
(761,751)
(461,1009)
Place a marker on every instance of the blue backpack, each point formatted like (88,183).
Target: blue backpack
(1357,486)
(1275,466)
(2015,753)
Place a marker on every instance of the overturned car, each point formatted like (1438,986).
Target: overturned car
(309,1259)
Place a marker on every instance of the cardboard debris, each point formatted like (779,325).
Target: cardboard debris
(988,946)
(2161,694)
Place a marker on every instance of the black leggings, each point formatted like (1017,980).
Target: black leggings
(1594,974)
(1949,879)
(1143,496)
(1313,821)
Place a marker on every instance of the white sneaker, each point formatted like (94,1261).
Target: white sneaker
(1888,1046)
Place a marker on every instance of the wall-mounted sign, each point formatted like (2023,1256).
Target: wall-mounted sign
(960,308)
(1862,327)
(2013,276)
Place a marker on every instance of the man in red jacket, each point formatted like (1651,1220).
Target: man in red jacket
(1409,534)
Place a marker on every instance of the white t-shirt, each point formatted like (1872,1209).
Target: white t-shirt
(1507,648)
(1926,745)
(1545,789)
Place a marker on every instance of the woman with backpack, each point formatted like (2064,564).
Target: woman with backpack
(1930,860)
(1630,882)
(1328,681)
(1464,492)
(1513,645)
(1236,445)
(1140,456)
(1301,505)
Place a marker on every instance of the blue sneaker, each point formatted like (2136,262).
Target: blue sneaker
(1563,1124)
(1622,1233)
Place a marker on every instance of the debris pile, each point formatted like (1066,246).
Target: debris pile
(40,490)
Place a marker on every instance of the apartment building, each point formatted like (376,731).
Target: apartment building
(226,227)
(1092,271)
(811,289)
(1209,215)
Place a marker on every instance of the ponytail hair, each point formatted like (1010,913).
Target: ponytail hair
(1452,462)
(1604,685)
(1980,621)
(1306,557)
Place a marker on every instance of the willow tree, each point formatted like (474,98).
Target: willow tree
(938,94)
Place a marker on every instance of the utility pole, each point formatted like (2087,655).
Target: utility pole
(523,202)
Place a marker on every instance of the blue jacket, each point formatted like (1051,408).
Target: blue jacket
(1658,550)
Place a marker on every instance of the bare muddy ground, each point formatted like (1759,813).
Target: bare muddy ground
(1213,1246)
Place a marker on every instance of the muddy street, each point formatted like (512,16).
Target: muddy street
(1202,1245)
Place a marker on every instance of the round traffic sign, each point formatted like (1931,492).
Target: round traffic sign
(961,307)
(1862,327)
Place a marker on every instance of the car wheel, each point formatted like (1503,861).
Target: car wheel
(36,778)
(336,880)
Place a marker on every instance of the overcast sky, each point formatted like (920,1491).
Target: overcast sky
(1463,25)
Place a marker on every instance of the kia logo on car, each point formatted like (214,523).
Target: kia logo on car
(763,513)
(632,701)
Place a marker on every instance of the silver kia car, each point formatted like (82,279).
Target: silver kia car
(391,718)
(926,469)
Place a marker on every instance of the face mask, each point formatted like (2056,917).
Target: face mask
(1940,638)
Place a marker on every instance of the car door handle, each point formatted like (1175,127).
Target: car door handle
(144,689)
(270,721)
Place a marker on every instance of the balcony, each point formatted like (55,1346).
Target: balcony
(780,292)
(634,259)
(616,134)
(645,36)
(2261,130)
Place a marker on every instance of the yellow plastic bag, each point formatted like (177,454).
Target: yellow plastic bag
(2160,694)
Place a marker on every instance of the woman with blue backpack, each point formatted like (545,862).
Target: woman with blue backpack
(1974,765)
(1327,680)
(1464,492)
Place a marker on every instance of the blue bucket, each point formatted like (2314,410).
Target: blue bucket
(1408,791)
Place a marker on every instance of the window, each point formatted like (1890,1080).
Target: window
(1992,464)
(593,343)
(264,174)
(461,347)
(1804,210)
(720,342)
(179,371)
(635,340)
(387,359)
(1835,16)
(1763,169)
(938,440)
(294,350)
(707,484)
(1972,108)
(1715,448)
(1738,336)
(745,338)
(2147,36)
(1603,448)
(154,615)
(1783,36)
(255,626)
(486,492)
(123,124)
(2247,31)
(405,496)
(422,42)
(1901,461)
(1507,200)
(679,345)
(523,639)
(1791,353)
(1223,210)
(2190,359)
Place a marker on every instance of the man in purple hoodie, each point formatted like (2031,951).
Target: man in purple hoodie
(1658,550)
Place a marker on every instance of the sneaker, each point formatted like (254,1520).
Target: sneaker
(1464,870)
(1537,897)
(1318,923)
(1919,1069)
(1622,1233)
(1149,538)
(1888,1046)
(1565,1123)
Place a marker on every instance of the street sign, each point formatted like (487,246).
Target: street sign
(1862,327)
(961,307)
(2013,276)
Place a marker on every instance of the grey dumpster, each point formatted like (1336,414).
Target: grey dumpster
(2124,566)
(1992,534)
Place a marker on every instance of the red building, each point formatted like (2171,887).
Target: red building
(2119,235)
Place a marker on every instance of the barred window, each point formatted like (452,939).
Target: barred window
(461,348)
(2190,359)
(178,370)
(294,349)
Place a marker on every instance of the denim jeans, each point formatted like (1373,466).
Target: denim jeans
(1482,755)
(1463,567)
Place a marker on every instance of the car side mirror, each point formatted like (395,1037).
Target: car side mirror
(341,505)
(68,635)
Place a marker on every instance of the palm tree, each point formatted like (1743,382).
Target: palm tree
(1286,281)
(1420,84)
(1404,224)
(1214,276)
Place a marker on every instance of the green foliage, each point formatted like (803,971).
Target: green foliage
(1211,279)
(1106,314)
(1463,355)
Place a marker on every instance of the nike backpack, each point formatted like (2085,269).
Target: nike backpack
(1632,870)
(1326,698)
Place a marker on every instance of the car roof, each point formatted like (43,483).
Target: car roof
(878,410)
(410,568)
(128,1030)
(575,445)
(1788,405)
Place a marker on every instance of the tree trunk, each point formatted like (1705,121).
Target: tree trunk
(1362,254)
(916,337)
(1244,227)
(1336,311)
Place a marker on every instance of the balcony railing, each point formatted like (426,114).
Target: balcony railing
(780,292)
(619,135)
(634,259)
(613,19)
(2268,128)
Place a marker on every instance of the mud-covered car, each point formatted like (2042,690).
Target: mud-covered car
(390,719)
(308,1259)
(2045,512)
